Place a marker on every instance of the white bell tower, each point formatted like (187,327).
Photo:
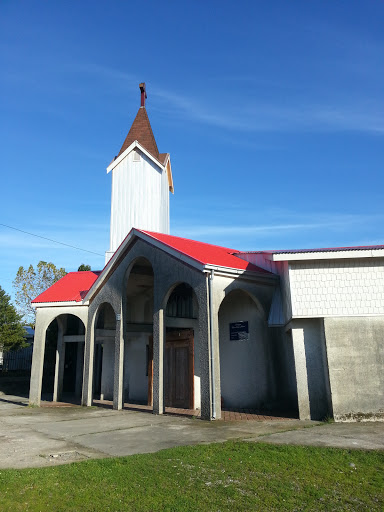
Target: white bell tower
(141,182)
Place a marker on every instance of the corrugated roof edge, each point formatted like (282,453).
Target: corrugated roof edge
(329,249)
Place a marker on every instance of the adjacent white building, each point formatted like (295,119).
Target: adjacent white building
(333,309)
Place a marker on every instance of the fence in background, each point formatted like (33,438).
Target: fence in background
(16,360)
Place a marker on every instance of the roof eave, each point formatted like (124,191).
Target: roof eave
(246,273)
(59,304)
(329,255)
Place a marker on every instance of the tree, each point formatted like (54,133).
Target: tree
(84,268)
(11,330)
(28,284)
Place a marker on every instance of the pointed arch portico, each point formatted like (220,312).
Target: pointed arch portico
(258,366)
(113,291)
(138,331)
(113,301)
(168,271)
(44,318)
(220,286)
(137,285)
(181,273)
(181,353)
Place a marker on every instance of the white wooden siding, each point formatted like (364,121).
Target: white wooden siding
(140,198)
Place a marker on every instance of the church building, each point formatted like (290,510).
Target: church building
(173,322)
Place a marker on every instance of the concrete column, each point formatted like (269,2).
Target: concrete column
(89,350)
(60,359)
(216,361)
(79,369)
(118,374)
(158,361)
(301,373)
(205,371)
(37,362)
(209,363)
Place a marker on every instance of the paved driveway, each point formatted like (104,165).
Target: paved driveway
(31,437)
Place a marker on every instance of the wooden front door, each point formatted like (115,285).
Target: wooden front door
(179,370)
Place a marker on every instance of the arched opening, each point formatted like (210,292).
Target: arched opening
(51,335)
(104,354)
(244,362)
(138,335)
(181,356)
(64,359)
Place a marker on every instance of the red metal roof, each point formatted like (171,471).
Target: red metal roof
(72,287)
(204,253)
(75,285)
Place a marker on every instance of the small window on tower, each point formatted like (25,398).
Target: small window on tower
(136,156)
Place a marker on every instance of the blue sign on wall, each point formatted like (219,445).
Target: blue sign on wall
(238,331)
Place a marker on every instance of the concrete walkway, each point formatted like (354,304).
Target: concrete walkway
(32,437)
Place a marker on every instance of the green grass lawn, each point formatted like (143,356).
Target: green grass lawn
(216,477)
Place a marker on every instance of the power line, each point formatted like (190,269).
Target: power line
(50,240)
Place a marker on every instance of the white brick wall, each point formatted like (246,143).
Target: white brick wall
(337,287)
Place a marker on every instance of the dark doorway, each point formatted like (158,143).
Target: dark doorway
(70,364)
(178,369)
(50,360)
(98,364)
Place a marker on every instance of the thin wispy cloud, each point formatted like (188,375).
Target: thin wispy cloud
(297,113)
(360,115)
(276,227)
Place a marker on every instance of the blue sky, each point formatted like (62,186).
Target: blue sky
(273,113)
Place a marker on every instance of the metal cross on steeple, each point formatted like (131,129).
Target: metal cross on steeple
(143,94)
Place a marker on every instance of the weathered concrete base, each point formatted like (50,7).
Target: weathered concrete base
(355,351)
(359,417)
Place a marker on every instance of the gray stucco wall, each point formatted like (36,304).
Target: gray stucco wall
(244,365)
(355,347)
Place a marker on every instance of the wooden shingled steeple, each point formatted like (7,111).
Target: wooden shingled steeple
(141,130)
